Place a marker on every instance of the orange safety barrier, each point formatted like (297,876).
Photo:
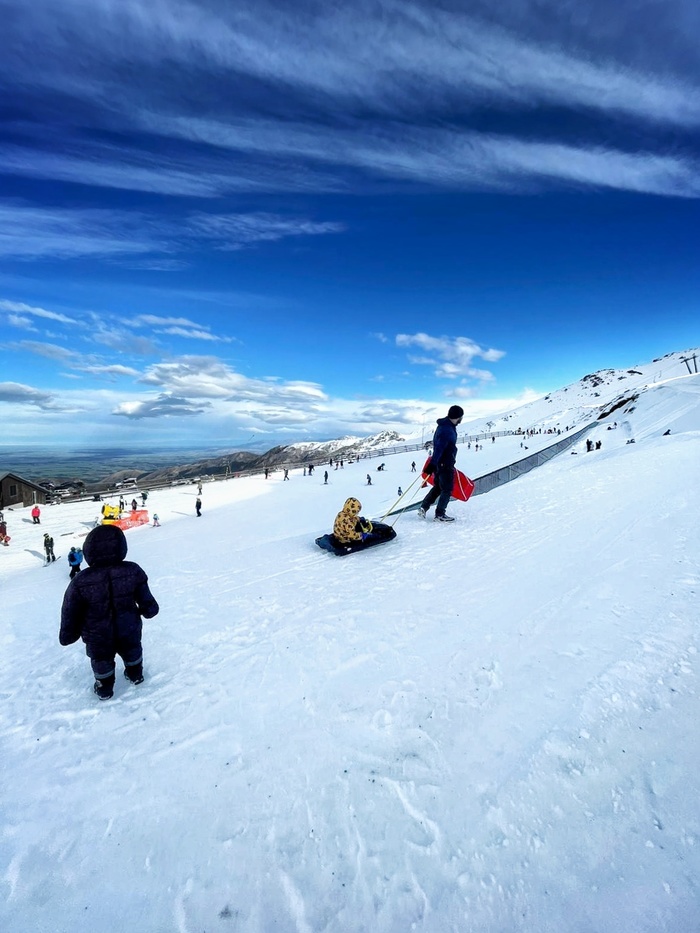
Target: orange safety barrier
(129,519)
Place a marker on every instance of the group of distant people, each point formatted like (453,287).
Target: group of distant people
(4,537)
(105,604)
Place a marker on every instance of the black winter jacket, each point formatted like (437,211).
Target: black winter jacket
(105,602)
(444,444)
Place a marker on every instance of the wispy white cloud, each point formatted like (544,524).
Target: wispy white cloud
(17,393)
(112,169)
(21,323)
(209,377)
(393,54)
(120,339)
(156,320)
(111,369)
(178,327)
(28,232)
(453,158)
(162,406)
(450,357)
(24,309)
(378,82)
(236,231)
(51,351)
(194,333)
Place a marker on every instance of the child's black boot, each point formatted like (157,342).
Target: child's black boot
(134,672)
(104,687)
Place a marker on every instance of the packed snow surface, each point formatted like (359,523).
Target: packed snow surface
(489,726)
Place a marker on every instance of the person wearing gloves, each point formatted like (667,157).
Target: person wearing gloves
(442,465)
(349,526)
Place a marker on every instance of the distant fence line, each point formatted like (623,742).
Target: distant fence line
(512,471)
(505,474)
(481,483)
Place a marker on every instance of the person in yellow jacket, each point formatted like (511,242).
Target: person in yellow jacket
(349,526)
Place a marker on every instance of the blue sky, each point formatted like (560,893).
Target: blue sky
(233,225)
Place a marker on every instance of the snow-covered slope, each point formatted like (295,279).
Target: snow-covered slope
(596,393)
(562,411)
(488,726)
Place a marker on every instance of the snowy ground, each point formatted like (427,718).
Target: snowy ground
(489,726)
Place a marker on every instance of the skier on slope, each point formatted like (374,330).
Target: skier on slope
(48,548)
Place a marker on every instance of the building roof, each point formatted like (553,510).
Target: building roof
(22,480)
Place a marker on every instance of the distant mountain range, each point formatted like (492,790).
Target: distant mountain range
(289,456)
(594,396)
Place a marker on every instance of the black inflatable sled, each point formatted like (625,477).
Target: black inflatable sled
(380,535)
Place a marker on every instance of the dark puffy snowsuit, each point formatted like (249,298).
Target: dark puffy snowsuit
(104,603)
(442,465)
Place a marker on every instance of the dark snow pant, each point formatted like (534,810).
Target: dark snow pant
(441,490)
(129,650)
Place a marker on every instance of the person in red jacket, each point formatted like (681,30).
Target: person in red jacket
(36,513)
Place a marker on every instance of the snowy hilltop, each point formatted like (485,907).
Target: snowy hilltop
(562,410)
(593,396)
(476,728)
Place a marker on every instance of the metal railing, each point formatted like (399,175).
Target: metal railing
(511,471)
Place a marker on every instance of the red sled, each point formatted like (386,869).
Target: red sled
(462,487)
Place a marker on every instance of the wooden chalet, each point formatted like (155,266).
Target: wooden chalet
(16,491)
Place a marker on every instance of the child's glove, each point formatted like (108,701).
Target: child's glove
(365,526)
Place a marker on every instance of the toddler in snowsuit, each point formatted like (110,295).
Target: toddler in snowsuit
(75,559)
(104,605)
(351,528)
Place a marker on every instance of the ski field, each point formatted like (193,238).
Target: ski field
(489,726)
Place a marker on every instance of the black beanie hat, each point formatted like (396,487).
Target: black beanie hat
(455,412)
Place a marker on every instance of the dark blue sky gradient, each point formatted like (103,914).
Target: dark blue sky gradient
(312,219)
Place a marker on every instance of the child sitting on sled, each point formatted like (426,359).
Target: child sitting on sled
(352,528)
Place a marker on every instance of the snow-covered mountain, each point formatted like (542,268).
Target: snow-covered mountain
(564,409)
(594,395)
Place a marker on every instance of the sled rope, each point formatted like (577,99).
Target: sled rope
(392,507)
